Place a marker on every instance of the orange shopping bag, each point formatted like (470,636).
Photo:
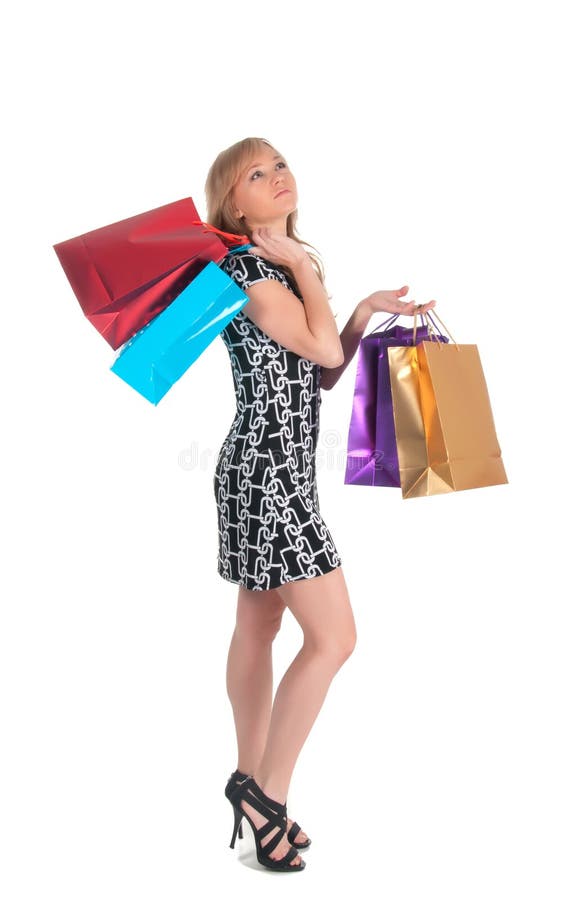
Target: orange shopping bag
(444,428)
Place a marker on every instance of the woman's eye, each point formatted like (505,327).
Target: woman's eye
(258,170)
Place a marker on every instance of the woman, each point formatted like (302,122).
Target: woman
(283,345)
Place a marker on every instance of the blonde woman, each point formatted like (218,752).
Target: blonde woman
(284,346)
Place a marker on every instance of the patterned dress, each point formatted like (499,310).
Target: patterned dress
(269,525)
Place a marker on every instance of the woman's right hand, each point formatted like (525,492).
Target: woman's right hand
(277,248)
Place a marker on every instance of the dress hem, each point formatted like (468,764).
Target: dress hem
(280,583)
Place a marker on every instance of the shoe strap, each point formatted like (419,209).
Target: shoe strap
(237,777)
(292,833)
(292,854)
(279,809)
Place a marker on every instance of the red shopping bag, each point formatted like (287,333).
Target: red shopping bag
(125,274)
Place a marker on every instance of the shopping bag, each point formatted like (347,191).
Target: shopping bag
(444,427)
(125,274)
(161,352)
(371,457)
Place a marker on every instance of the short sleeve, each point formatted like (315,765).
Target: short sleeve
(246,269)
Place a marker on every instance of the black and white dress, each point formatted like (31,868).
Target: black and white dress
(269,525)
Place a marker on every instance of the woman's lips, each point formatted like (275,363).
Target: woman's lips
(285,191)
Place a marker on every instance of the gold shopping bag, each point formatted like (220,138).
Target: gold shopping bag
(444,428)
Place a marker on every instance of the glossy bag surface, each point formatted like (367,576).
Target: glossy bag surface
(158,355)
(371,458)
(445,432)
(126,273)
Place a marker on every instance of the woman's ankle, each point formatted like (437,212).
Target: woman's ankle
(273,787)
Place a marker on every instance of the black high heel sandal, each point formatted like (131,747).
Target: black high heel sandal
(275,814)
(235,779)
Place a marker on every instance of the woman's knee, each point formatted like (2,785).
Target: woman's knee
(259,614)
(348,645)
(338,646)
(323,610)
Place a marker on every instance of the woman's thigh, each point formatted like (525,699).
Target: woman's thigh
(322,607)
(259,613)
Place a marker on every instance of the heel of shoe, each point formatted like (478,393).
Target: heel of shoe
(237,826)
(230,786)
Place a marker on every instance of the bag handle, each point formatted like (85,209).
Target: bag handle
(227,238)
(385,324)
(432,332)
(444,326)
(429,316)
(388,322)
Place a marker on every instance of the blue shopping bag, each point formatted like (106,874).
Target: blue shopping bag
(162,351)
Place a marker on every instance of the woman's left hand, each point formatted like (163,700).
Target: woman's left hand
(388,301)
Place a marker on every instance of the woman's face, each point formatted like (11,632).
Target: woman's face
(257,194)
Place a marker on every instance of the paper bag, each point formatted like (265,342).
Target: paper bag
(126,273)
(444,428)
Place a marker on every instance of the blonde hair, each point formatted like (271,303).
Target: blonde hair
(222,177)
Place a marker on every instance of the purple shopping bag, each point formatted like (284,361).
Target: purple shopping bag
(372,448)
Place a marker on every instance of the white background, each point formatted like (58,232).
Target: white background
(430,147)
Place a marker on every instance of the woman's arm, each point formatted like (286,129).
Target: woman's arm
(308,329)
(350,339)
(379,301)
(319,316)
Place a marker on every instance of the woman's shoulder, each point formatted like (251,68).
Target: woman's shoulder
(247,268)
(244,258)
(251,265)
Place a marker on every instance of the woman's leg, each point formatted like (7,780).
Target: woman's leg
(321,606)
(249,671)
(249,678)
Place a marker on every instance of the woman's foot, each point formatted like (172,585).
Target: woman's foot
(300,838)
(283,846)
